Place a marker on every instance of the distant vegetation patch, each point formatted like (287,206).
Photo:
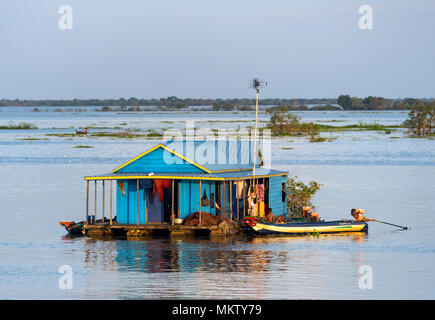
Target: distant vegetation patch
(328,107)
(154,134)
(19,126)
(283,123)
(361,126)
(121,135)
(32,139)
(62,135)
(83,147)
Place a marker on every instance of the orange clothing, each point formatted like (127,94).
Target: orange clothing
(159,185)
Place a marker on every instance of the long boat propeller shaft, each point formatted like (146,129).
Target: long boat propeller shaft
(391,224)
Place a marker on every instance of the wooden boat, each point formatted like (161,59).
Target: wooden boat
(303,228)
(77,228)
(72,227)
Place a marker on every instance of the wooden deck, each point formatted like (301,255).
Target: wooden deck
(149,226)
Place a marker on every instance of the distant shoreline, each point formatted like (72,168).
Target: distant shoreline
(343,102)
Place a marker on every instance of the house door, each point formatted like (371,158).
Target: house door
(155,208)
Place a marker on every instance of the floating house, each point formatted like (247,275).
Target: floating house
(171,181)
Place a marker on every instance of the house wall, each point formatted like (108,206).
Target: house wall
(126,205)
(189,196)
(275,195)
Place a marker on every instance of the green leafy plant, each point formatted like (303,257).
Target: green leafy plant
(300,195)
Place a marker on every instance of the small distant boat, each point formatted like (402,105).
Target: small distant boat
(303,228)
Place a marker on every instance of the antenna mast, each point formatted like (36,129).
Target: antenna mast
(256,84)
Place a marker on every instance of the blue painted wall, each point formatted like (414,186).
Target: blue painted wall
(122,202)
(188,196)
(126,205)
(227,197)
(275,195)
(160,160)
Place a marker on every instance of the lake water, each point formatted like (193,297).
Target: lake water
(390,175)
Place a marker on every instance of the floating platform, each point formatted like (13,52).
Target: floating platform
(105,229)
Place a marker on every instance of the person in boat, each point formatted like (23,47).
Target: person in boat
(280,219)
(358,214)
(269,216)
(314,217)
(85,131)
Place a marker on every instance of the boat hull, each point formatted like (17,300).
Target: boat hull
(72,227)
(303,228)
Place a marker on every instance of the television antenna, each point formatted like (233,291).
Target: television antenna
(256,84)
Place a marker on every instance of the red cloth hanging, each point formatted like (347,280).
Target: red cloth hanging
(159,185)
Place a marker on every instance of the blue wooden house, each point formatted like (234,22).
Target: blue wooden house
(181,178)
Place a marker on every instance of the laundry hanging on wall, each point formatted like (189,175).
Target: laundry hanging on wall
(121,187)
(252,205)
(260,192)
(159,185)
(261,209)
(240,186)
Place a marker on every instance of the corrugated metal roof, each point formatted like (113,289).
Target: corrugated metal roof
(218,155)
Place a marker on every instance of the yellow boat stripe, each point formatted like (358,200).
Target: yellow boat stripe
(268,227)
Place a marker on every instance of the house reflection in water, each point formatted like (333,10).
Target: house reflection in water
(188,255)
(204,268)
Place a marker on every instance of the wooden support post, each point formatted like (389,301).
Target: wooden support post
(223,203)
(200,222)
(95,202)
(104,199)
(178,207)
(231,200)
(87,201)
(238,200)
(173,213)
(244,200)
(137,191)
(110,202)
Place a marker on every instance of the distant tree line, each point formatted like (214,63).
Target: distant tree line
(172,103)
(169,102)
(375,103)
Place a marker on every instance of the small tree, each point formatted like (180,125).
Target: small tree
(344,101)
(299,195)
(421,118)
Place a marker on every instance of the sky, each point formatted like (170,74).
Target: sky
(210,49)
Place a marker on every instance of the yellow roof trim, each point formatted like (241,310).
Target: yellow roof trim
(167,149)
(179,177)
(230,170)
